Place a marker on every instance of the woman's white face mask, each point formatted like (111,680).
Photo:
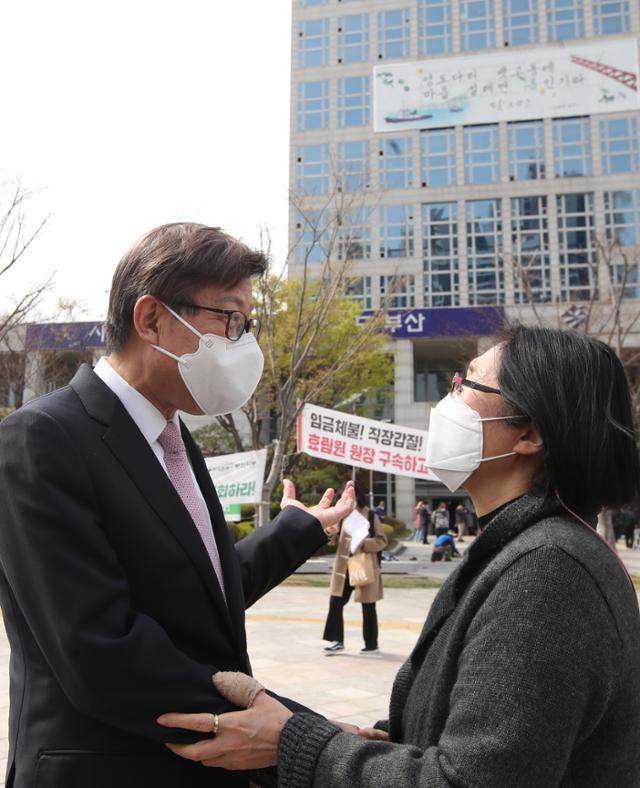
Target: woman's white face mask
(455,441)
(221,375)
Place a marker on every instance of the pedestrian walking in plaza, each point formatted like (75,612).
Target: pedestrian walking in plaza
(418,521)
(341,589)
(426,523)
(461,521)
(380,510)
(440,519)
(527,671)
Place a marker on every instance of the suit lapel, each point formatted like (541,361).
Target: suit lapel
(132,451)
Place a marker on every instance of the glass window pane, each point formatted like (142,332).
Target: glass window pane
(577,247)
(435,28)
(354,102)
(396,231)
(353,38)
(481,154)
(313,105)
(313,43)
(572,147)
(440,254)
(395,162)
(484,252)
(438,158)
(520,21)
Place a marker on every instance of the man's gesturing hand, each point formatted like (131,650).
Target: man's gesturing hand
(329,516)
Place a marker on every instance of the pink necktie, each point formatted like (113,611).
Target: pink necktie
(175,458)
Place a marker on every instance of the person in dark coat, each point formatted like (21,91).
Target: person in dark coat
(120,586)
(527,671)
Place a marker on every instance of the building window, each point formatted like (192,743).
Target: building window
(622,217)
(610,17)
(430,385)
(311,237)
(481,154)
(312,169)
(396,231)
(358,288)
(571,147)
(398,291)
(530,249)
(577,250)
(620,145)
(565,19)
(313,43)
(526,150)
(394,33)
(520,22)
(438,158)
(395,160)
(622,222)
(353,236)
(353,166)
(313,105)
(477,24)
(484,252)
(440,254)
(435,30)
(353,38)
(354,102)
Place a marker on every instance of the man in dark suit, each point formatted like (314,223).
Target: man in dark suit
(121,590)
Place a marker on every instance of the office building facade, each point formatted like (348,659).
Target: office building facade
(471,203)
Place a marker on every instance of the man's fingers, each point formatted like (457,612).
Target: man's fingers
(347,500)
(373,734)
(195,752)
(203,723)
(325,501)
(288,491)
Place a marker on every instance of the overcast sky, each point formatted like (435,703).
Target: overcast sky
(126,115)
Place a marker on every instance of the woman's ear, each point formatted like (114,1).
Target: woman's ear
(530,440)
(145,319)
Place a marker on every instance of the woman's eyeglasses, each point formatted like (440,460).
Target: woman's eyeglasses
(457,382)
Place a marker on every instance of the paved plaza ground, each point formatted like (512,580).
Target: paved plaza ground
(285,630)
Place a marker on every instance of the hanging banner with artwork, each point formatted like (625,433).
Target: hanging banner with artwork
(364,443)
(560,81)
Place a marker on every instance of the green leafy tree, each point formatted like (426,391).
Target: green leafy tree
(315,351)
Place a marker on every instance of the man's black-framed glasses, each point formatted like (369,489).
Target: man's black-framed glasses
(457,382)
(237,324)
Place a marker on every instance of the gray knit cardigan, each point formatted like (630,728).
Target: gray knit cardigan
(526,674)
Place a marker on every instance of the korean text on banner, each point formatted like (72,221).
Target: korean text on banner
(238,479)
(364,443)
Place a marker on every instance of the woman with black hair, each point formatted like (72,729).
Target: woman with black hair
(527,671)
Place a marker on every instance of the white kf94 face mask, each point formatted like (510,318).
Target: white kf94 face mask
(454,441)
(221,375)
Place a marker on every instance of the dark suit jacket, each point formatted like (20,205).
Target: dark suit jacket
(112,608)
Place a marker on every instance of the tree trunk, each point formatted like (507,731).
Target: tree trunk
(270,483)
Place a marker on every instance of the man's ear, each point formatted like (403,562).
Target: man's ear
(530,440)
(146,313)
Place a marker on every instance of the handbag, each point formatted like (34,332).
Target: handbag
(361,569)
